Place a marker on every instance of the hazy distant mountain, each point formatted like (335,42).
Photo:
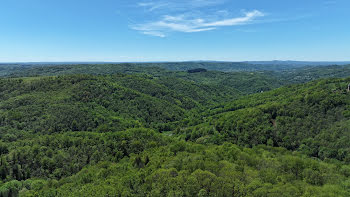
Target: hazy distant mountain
(301,63)
(8,69)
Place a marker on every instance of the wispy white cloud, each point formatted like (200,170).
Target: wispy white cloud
(203,3)
(189,24)
(249,16)
(151,6)
(154,33)
(178,4)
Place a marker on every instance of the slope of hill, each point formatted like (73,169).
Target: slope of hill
(82,102)
(312,118)
(247,82)
(155,132)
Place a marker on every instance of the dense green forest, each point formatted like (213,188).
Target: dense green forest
(313,118)
(256,79)
(24,68)
(131,130)
(298,68)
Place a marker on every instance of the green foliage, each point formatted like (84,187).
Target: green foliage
(146,131)
(198,170)
(310,118)
(87,103)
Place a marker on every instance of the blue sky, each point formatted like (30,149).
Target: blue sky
(174,30)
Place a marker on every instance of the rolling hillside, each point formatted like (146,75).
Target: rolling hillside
(312,118)
(166,133)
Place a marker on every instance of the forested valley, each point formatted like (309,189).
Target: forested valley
(199,129)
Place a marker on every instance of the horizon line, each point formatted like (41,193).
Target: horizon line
(170,61)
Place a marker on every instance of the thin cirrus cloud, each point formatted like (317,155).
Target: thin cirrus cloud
(151,6)
(178,4)
(186,24)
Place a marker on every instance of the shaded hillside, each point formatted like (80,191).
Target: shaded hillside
(97,103)
(173,134)
(313,118)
